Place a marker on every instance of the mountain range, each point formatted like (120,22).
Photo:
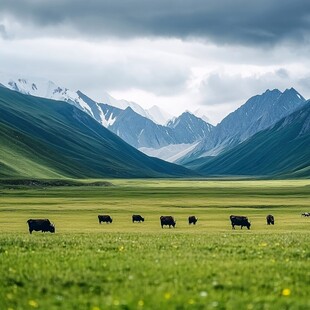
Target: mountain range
(145,129)
(45,138)
(282,149)
(258,113)
(43,88)
(268,135)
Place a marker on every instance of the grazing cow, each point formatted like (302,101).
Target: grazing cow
(40,225)
(137,218)
(168,221)
(239,221)
(305,214)
(192,220)
(105,218)
(270,219)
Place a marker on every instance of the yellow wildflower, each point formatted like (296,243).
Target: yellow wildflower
(286,292)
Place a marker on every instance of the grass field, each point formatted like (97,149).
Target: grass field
(134,266)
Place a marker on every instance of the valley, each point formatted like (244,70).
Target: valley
(154,155)
(46,133)
(209,265)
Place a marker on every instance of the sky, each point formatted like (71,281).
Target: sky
(177,54)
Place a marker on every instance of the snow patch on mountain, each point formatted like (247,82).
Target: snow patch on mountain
(158,115)
(170,153)
(202,113)
(123,104)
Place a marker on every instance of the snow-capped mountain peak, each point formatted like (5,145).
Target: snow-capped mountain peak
(202,113)
(158,115)
(123,104)
(47,89)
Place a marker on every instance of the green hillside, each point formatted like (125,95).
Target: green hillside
(43,138)
(282,150)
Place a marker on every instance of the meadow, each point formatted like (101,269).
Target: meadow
(123,265)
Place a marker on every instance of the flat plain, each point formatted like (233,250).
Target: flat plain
(128,265)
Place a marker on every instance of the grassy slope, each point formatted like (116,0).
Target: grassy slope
(44,138)
(90,266)
(281,150)
(23,156)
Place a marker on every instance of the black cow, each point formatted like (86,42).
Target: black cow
(305,214)
(40,225)
(105,218)
(270,219)
(137,218)
(192,220)
(168,221)
(239,221)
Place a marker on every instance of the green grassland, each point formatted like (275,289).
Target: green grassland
(123,265)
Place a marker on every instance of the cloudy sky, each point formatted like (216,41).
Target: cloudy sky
(177,54)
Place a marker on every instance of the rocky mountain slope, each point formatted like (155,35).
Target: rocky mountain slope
(258,113)
(282,149)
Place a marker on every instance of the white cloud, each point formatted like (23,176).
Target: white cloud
(97,66)
(174,74)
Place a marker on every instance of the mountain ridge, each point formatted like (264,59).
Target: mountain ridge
(44,88)
(47,138)
(256,114)
(280,150)
(112,115)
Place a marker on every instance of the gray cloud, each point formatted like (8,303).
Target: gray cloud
(158,78)
(224,21)
(305,82)
(94,68)
(3,33)
(222,89)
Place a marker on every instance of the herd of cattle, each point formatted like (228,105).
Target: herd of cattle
(45,225)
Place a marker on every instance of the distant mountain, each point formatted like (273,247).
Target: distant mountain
(142,133)
(186,130)
(158,115)
(45,138)
(202,113)
(138,127)
(49,90)
(257,114)
(189,128)
(104,114)
(283,149)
